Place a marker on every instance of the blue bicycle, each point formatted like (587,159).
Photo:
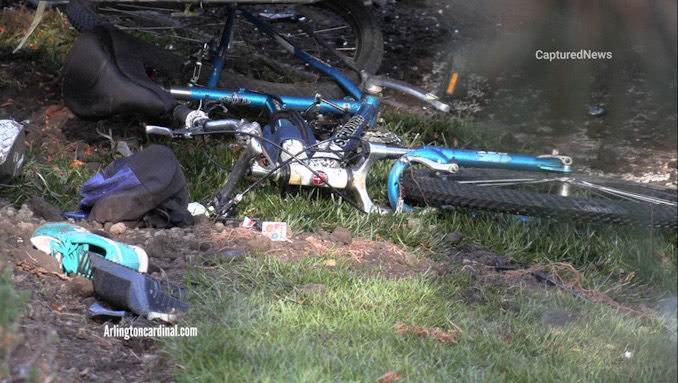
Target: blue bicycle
(104,75)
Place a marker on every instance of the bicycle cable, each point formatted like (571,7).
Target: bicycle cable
(212,160)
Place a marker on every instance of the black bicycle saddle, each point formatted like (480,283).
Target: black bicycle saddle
(103,76)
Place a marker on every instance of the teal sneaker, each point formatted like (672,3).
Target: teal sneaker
(72,246)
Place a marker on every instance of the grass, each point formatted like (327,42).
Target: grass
(56,179)
(257,324)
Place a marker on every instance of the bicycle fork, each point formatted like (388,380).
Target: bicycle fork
(448,160)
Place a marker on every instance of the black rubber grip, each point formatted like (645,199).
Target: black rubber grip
(181,112)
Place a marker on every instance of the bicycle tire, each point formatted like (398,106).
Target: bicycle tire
(425,187)
(368,51)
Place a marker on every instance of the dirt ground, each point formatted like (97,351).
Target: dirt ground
(615,116)
(57,342)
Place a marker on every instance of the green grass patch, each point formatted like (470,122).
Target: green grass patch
(56,179)
(257,324)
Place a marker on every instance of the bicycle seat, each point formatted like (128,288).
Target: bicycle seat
(103,76)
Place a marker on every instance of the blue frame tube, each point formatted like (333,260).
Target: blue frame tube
(253,99)
(496,160)
(223,47)
(342,80)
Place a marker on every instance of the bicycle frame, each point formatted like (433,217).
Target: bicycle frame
(363,107)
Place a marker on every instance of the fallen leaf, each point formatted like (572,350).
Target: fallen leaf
(441,336)
(390,377)
(76,163)
(330,263)
(55,110)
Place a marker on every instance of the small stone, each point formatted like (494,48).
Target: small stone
(341,235)
(95,224)
(25,212)
(82,286)
(219,226)
(10,212)
(454,238)
(117,228)
(26,227)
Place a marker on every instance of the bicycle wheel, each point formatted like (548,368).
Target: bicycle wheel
(558,196)
(342,33)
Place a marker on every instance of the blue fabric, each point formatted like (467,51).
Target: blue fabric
(98,186)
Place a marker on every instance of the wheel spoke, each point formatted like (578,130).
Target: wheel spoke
(623,194)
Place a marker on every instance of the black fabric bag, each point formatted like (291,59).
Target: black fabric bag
(146,189)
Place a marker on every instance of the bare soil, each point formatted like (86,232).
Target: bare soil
(56,341)
(615,116)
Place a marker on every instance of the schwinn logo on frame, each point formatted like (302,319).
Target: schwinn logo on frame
(348,130)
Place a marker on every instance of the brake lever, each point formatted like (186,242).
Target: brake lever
(159,130)
(163,131)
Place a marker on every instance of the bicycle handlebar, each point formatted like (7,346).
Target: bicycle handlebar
(374,84)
